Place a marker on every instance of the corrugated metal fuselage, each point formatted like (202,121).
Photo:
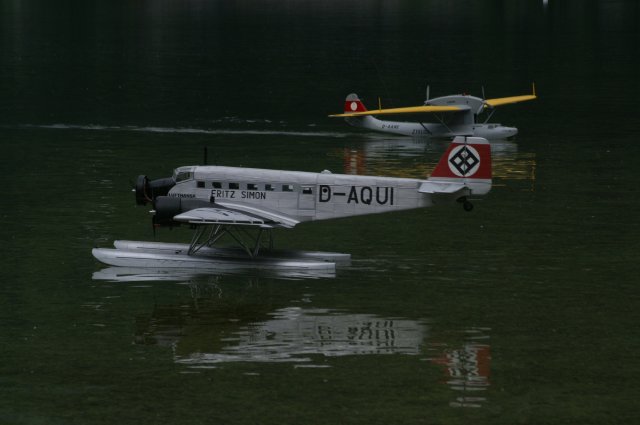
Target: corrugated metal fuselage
(303,196)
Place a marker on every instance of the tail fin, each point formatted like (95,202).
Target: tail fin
(465,165)
(353,104)
(466,158)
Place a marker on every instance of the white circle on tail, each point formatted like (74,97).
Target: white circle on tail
(464,161)
(354,106)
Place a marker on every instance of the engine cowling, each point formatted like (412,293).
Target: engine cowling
(147,190)
(167,207)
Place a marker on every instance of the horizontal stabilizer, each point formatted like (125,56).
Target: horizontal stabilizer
(434,187)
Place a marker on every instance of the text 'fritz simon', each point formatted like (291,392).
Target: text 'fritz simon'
(244,194)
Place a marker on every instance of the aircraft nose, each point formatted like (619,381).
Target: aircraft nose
(146,190)
(509,131)
(142,190)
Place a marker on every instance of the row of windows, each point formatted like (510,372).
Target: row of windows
(253,186)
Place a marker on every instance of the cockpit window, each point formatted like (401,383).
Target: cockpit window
(183,175)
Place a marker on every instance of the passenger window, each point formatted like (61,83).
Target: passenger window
(234,186)
(200,183)
(287,188)
(307,191)
(269,187)
(252,186)
(216,185)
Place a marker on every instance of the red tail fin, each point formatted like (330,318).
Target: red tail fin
(466,158)
(353,104)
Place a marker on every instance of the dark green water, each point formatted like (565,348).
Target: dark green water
(523,311)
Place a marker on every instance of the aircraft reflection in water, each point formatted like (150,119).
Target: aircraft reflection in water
(142,274)
(467,368)
(385,156)
(206,334)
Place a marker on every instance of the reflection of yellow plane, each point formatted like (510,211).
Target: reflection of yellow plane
(457,115)
(407,158)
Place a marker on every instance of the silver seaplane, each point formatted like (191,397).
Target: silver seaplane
(245,204)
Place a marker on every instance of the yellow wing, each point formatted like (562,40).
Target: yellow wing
(406,110)
(512,99)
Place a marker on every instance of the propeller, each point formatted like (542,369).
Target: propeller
(142,190)
(486,106)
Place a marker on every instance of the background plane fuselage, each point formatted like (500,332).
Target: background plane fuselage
(489,131)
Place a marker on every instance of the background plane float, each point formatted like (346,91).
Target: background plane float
(457,115)
(247,202)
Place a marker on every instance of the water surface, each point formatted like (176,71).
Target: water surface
(523,311)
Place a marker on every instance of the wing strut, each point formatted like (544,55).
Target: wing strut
(208,235)
(489,116)
(425,128)
(439,118)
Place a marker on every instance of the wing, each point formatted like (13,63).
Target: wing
(512,99)
(406,110)
(236,214)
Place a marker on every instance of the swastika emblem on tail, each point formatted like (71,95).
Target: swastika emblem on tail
(464,161)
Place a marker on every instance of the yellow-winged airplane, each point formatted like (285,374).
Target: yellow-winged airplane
(457,115)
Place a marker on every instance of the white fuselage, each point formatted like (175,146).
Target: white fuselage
(436,130)
(303,196)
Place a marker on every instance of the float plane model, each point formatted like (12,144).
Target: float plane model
(456,115)
(245,204)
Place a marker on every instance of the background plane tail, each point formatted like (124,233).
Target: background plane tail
(353,104)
